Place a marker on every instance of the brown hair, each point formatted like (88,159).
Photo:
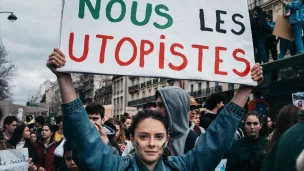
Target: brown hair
(122,137)
(287,117)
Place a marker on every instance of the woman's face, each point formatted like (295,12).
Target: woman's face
(127,123)
(69,161)
(26,133)
(253,126)
(33,138)
(117,131)
(269,123)
(150,140)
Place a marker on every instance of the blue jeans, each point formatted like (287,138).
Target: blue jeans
(297,31)
(284,45)
(261,55)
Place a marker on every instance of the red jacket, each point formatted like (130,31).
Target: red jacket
(45,156)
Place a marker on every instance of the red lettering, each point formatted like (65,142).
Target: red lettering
(218,60)
(247,68)
(185,61)
(105,39)
(200,55)
(144,52)
(117,50)
(85,51)
(161,62)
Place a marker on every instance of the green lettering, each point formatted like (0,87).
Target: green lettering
(134,12)
(162,14)
(94,12)
(109,9)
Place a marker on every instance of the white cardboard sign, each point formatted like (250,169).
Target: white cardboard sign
(196,39)
(14,160)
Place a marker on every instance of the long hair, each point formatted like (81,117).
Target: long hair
(17,135)
(122,137)
(287,117)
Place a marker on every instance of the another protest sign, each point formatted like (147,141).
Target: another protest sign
(222,165)
(298,100)
(197,40)
(14,160)
(283,28)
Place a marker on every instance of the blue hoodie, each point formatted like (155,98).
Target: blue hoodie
(94,155)
(296,11)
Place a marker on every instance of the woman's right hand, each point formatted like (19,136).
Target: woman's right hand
(56,60)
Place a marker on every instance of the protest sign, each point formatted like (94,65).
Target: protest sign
(14,160)
(131,111)
(298,100)
(283,28)
(197,40)
(222,165)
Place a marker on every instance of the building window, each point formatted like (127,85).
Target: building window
(143,94)
(216,84)
(208,84)
(199,86)
(121,103)
(191,87)
(171,83)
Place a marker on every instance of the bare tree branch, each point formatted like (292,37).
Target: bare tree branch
(7,69)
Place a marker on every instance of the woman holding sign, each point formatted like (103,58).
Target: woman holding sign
(149,133)
(21,138)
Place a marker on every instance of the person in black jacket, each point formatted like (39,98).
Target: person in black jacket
(260,29)
(213,104)
(21,138)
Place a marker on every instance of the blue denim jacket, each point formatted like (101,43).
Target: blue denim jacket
(296,11)
(94,155)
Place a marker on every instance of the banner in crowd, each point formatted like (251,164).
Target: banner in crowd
(298,100)
(197,40)
(222,165)
(14,160)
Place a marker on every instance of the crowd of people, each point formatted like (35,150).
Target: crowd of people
(173,133)
(262,26)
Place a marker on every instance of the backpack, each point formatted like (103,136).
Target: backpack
(190,141)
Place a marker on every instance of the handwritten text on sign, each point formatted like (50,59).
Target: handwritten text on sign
(14,160)
(196,39)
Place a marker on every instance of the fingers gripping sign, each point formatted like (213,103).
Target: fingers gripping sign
(56,60)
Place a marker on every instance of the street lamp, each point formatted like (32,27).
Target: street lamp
(11,17)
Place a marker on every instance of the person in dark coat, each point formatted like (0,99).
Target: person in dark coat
(45,158)
(21,139)
(284,154)
(248,153)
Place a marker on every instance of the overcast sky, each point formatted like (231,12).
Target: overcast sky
(29,41)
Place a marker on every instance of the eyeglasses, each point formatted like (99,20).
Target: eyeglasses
(94,118)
